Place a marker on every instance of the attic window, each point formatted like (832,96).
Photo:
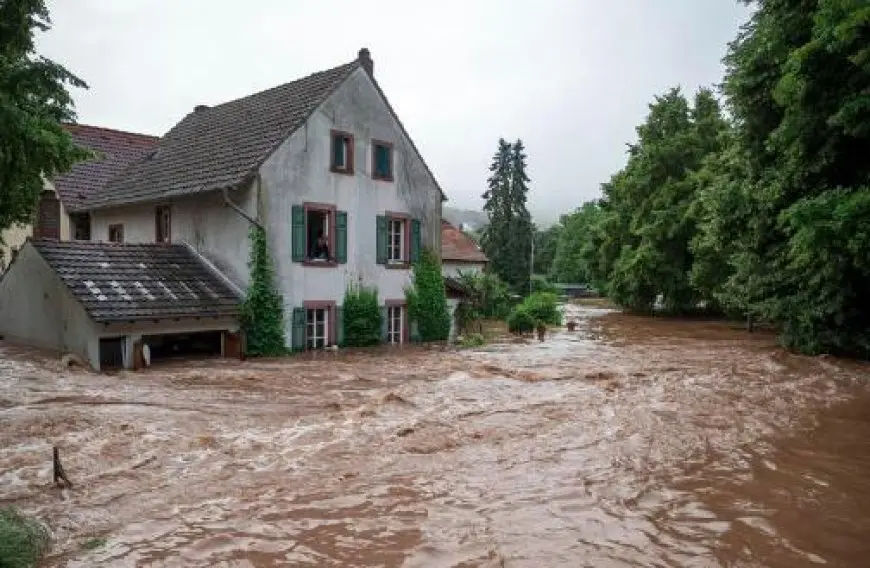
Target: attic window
(342,152)
(162,224)
(382,160)
(116,233)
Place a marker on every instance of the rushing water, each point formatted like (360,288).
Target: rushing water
(629,442)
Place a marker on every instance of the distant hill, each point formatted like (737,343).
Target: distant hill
(476,219)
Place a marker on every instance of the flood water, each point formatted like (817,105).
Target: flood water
(629,442)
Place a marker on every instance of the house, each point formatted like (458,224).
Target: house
(59,213)
(322,164)
(459,253)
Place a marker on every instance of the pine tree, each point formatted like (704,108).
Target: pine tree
(33,103)
(507,238)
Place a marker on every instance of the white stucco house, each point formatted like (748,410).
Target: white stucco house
(323,164)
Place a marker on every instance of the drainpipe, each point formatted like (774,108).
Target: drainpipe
(239,210)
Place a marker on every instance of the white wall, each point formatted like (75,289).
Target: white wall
(216,231)
(299,171)
(36,308)
(452,269)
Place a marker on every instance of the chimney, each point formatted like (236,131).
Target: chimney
(365,59)
(200,108)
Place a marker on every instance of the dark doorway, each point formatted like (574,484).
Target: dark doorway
(112,353)
(201,344)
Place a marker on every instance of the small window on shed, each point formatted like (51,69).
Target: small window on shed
(116,233)
(162,224)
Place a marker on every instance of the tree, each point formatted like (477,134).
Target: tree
(575,247)
(545,249)
(507,238)
(34,101)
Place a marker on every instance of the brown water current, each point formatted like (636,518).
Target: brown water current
(629,442)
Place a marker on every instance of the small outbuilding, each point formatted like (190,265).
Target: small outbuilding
(119,305)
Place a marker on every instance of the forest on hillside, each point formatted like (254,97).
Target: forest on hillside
(751,200)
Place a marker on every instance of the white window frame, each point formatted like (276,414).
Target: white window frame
(395,324)
(312,339)
(396,255)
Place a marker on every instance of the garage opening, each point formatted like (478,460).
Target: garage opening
(177,345)
(111,353)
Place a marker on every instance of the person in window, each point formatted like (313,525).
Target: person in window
(321,247)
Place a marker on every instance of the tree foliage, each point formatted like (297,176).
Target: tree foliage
(23,540)
(262,312)
(489,297)
(362,317)
(34,101)
(507,239)
(576,248)
(427,299)
(546,243)
(765,213)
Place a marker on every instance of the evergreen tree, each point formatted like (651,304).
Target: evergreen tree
(507,239)
(33,103)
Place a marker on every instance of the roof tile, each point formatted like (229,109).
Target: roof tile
(457,247)
(128,282)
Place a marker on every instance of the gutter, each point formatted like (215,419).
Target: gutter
(229,203)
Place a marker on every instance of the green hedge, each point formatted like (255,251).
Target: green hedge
(23,541)
(541,308)
(362,317)
(427,299)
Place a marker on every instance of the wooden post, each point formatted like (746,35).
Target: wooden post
(59,473)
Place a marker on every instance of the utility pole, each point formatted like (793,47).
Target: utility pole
(532,262)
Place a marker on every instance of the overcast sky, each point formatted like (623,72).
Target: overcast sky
(572,78)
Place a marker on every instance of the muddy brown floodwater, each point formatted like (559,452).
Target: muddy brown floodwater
(630,442)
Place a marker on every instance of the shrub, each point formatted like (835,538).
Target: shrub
(362,317)
(427,300)
(262,313)
(472,340)
(520,321)
(544,308)
(490,296)
(22,540)
(541,284)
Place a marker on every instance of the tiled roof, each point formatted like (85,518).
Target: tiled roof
(221,146)
(115,150)
(457,247)
(128,282)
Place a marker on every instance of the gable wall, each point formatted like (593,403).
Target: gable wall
(298,172)
(37,309)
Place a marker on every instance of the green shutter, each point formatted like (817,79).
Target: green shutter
(341,237)
(384,324)
(338,152)
(299,319)
(339,326)
(416,239)
(381,240)
(298,234)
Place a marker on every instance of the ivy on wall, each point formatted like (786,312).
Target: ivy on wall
(263,309)
(427,299)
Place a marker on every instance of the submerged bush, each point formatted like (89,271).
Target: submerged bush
(544,308)
(472,340)
(23,541)
(362,317)
(520,321)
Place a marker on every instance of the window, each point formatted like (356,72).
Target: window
(394,325)
(81,226)
(342,152)
(317,328)
(116,233)
(396,241)
(162,224)
(318,239)
(382,160)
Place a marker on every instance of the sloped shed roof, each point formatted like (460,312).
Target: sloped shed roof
(457,247)
(129,282)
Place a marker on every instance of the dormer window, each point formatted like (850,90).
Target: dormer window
(342,152)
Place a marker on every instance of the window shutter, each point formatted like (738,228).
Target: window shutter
(298,233)
(299,317)
(384,314)
(381,240)
(339,325)
(341,237)
(416,239)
